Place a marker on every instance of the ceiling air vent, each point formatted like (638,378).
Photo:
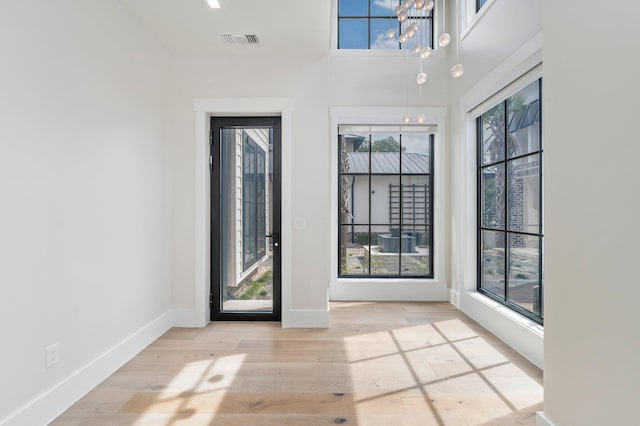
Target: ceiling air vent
(240,39)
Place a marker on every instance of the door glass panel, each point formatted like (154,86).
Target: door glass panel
(246,220)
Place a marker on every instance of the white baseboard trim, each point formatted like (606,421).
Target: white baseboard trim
(306,318)
(186,318)
(542,420)
(522,334)
(389,290)
(454,298)
(54,401)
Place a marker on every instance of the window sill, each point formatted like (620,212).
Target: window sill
(382,53)
(522,334)
(388,289)
(510,314)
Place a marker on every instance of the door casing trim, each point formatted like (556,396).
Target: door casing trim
(205,108)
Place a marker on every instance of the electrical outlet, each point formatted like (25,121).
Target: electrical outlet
(52,355)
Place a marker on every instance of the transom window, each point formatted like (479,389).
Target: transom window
(363,24)
(385,208)
(510,233)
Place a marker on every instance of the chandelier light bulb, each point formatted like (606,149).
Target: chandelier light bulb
(411,33)
(403,38)
(426,52)
(428,6)
(457,71)
(406,119)
(415,26)
(444,40)
(391,33)
(402,16)
(419,4)
(420,118)
(421,78)
(398,9)
(406,4)
(416,49)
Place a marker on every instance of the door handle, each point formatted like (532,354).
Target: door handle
(276,243)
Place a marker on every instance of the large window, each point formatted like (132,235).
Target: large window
(363,24)
(253,202)
(385,208)
(510,232)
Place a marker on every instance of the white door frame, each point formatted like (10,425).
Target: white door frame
(205,108)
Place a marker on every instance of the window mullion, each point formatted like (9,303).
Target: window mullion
(369,237)
(401,209)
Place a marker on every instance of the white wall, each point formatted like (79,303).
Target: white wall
(85,188)
(592,338)
(303,79)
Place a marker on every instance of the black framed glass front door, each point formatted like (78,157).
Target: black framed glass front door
(245,218)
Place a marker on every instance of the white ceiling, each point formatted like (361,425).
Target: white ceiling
(190,27)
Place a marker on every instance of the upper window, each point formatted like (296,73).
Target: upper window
(363,24)
(479,4)
(510,233)
(385,208)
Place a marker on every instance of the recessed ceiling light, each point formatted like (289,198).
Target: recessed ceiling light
(214,4)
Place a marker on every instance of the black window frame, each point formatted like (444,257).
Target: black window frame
(368,18)
(506,159)
(430,225)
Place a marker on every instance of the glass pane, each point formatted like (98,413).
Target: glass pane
(384,7)
(354,250)
(385,199)
(416,200)
(492,134)
(385,153)
(492,262)
(414,248)
(416,150)
(378,35)
(492,193)
(354,153)
(354,199)
(353,33)
(524,271)
(246,197)
(353,7)
(524,194)
(524,121)
(384,257)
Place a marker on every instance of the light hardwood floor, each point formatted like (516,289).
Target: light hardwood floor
(378,364)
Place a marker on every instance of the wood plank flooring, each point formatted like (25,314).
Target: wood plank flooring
(378,364)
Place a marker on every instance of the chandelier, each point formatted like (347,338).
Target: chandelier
(412,14)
